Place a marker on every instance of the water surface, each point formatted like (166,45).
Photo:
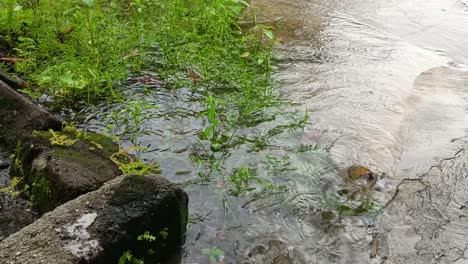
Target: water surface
(386,87)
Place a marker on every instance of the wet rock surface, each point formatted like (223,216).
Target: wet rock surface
(12,82)
(15,213)
(426,221)
(99,226)
(19,116)
(275,252)
(4,160)
(55,174)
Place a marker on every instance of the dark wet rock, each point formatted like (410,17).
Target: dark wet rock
(54,174)
(4,161)
(19,116)
(14,83)
(99,226)
(15,213)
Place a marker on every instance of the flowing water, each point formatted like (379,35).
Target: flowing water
(386,87)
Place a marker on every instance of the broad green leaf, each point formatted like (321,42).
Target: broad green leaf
(241,2)
(68,11)
(67,79)
(268,33)
(89,2)
(245,54)
(218,252)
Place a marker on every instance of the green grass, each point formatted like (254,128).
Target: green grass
(81,50)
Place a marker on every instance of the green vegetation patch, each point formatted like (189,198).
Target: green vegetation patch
(39,192)
(80,49)
(33,184)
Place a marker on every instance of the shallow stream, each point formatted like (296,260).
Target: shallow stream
(386,87)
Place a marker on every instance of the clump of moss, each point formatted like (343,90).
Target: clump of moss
(13,186)
(63,140)
(130,165)
(138,167)
(71,135)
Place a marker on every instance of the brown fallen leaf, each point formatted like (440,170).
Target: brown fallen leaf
(195,76)
(146,80)
(62,35)
(131,54)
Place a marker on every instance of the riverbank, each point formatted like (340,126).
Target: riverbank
(268,185)
(141,59)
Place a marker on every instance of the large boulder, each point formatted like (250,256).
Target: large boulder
(56,167)
(19,116)
(132,216)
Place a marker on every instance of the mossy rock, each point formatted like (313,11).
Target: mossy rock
(54,174)
(12,82)
(19,116)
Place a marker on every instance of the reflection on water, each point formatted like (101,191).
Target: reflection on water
(385,88)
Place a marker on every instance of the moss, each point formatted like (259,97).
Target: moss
(132,188)
(70,135)
(75,156)
(40,193)
(108,146)
(42,134)
(32,184)
(61,139)
(13,185)
(138,167)
(22,157)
